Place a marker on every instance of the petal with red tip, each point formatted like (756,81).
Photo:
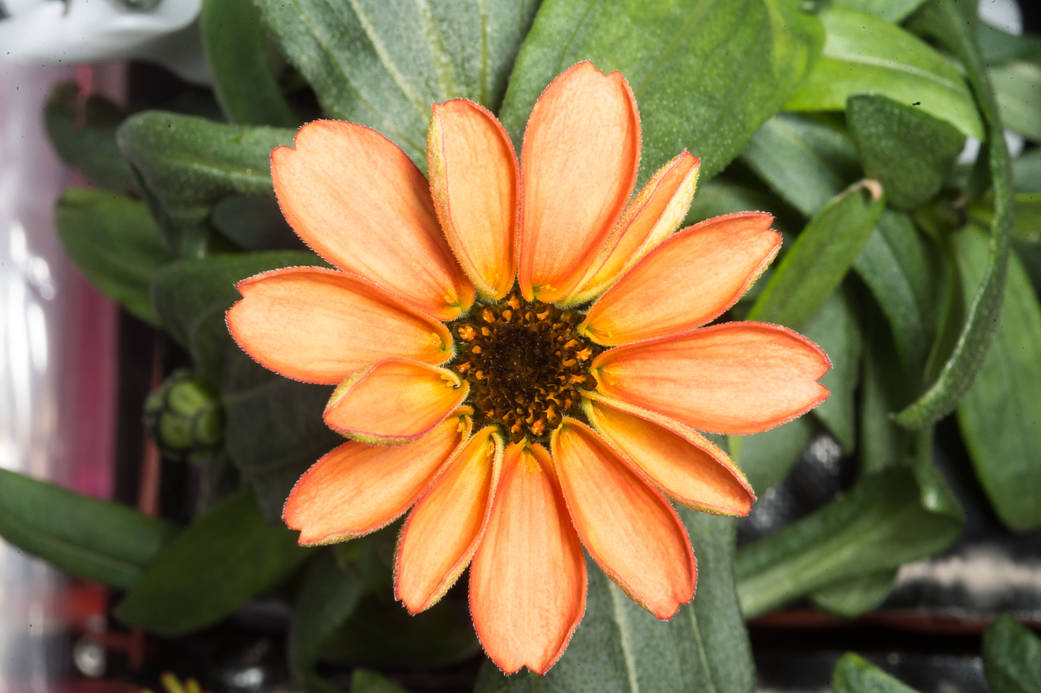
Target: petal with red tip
(474,180)
(578,167)
(687,281)
(627,526)
(320,326)
(739,377)
(649,218)
(442,531)
(360,203)
(528,578)
(394,401)
(357,488)
(684,464)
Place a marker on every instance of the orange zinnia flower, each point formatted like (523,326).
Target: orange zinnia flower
(585,417)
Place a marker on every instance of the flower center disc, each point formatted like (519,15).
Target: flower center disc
(525,364)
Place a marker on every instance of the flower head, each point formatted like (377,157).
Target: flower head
(521,356)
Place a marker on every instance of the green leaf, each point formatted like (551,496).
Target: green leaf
(889,10)
(1027,171)
(966,358)
(855,675)
(1011,657)
(244,78)
(254,223)
(864,54)
(191,297)
(382,63)
(907,150)
(806,162)
(900,268)
(724,196)
(114,242)
(1000,416)
(83,132)
(621,647)
(187,164)
(365,681)
(997,46)
(856,596)
(211,568)
(705,74)
(325,599)
(767,457)
(1026,225)
(820,257)
(273,426)
(889,518)
(834,329)
(87,537)
(1017,86)
(381,633)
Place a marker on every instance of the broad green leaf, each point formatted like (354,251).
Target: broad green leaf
(820,257)
(1027,171)
(382,634)
(87,537)
(909,151)
(854,674)
(997,46)
(244,78)
(382,63)
(1011,657)
(766,458)
(191,297)
(620,647)
(327,596)
(1000,416)
(834,329)
(900,268)
(889,518)
(273,426)
(806,162)
(365,681)
(889,10)
(83,132)
(254,223)
(960,369)
(721,195)
(212,567)
(115,243)
(187,164)
(705,73)
(856,596)
(1026,224)
(864,54)
(1017,86)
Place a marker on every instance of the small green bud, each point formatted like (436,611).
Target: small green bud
(184,417)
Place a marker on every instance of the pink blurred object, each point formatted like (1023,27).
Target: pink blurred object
(58,369)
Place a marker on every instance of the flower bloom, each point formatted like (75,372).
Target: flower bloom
(521,356)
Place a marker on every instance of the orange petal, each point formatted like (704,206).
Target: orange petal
(443,529)
(687,281)
(474,180)
(357,488)
(739,377)
(528,578)
(683,463)
(650,217)
(319,325)
(360,203)
(627,526)
(578,167)
(394,401)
